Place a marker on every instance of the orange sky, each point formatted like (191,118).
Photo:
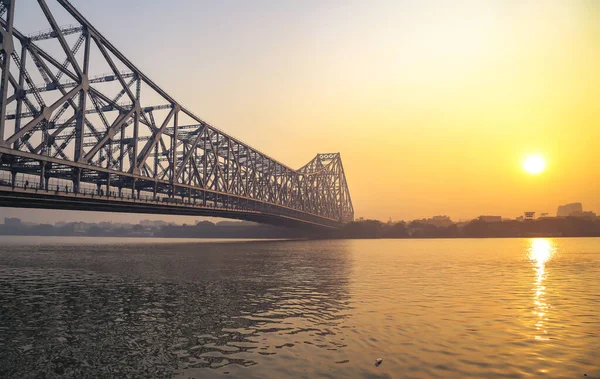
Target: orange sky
(432,104)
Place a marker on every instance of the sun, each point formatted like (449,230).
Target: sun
(534,164)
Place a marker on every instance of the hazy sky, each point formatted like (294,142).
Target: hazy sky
(432,104)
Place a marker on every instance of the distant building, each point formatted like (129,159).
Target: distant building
(545,215)
(153,223)
(439,221)
(490,218)
(567,209)
(587,215)
(233,223)
(529,215)
(79,227)
(12,221)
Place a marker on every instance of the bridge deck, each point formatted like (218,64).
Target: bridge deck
(51,199)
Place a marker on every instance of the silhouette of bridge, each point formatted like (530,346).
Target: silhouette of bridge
(82,128)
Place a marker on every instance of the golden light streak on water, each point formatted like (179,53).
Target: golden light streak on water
(541,251)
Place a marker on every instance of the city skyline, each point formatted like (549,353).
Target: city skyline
(51,216)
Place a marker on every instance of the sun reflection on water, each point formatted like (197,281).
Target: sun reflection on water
(540,252)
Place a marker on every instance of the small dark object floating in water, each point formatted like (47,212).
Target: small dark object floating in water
(378,361)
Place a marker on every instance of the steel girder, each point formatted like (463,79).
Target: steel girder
(97,128)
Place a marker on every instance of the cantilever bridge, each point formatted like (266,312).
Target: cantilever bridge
(82,128)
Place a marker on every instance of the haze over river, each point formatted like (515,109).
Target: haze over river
(86,307)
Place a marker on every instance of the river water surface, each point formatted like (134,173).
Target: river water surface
(164,308)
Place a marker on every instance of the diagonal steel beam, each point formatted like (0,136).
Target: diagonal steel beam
(33,47)
(54,134)
(188,154)
(151,143)
(61,37)
(117,124)
(44,68)
(47,80)
(82,37)
(45,114)
(115,70)
(124,89)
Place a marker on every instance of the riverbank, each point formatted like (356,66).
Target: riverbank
(363,229)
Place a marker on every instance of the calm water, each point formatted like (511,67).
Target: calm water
(77,308)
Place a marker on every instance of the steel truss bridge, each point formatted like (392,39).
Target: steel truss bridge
(82,128)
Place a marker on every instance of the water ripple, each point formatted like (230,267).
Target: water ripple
(438,308)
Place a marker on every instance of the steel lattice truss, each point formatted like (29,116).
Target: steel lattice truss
(75,109)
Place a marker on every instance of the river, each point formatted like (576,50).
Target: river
(167,308)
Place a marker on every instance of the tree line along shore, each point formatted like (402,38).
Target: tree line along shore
(543,227)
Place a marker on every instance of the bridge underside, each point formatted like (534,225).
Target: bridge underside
(42,199)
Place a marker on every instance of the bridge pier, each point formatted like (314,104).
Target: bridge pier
(76,179)
(107,185)
(42,174)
